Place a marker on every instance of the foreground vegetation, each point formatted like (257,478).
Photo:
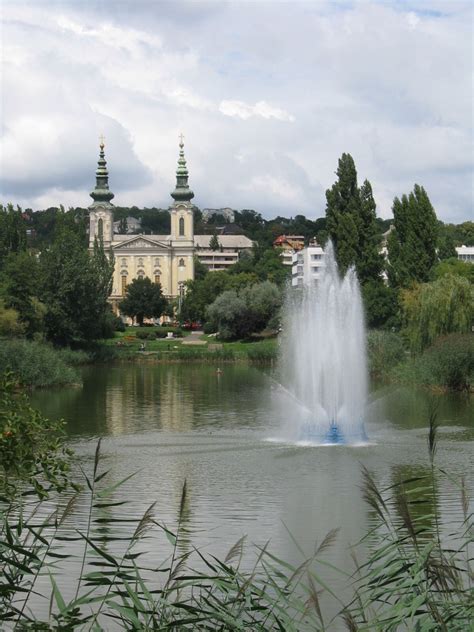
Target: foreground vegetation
(409,579)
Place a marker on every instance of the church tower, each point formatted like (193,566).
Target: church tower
(182,217)
(101,216)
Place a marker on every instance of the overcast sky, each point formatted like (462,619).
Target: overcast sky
(267,94)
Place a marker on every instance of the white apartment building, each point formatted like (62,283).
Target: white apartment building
(465,253)
(230,248)
(307,265)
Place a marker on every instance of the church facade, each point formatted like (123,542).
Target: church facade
(165,259)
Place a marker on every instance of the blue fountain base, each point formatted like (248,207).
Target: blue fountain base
(333,436)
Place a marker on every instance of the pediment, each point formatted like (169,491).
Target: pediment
(140,242)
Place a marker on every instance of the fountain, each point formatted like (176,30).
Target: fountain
(323,359)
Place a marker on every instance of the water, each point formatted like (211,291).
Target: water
(323,360)
(168,423)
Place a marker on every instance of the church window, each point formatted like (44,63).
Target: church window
(100,228)
(124,284)
(157,278)
(181,226)
(181,263)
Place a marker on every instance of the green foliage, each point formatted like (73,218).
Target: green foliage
(30,444)
(453,266)
(239,314)
(38,364)
(448,364)
(10,325)
(385,350)
(412,244)
(352,223)
(438,308)
(12,231)
(446,247)
(461,234)
(75,288)
(143,299)
(21,290)
(214,242)
(408,581)
(381,305)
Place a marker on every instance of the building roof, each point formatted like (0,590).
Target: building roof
(226,241)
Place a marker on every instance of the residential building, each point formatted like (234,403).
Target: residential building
(465,253)
(307,265)
(289,244)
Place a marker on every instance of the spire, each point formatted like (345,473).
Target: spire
(182,192)
(101,192)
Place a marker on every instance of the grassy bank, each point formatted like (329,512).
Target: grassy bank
(38,364)
(130,345)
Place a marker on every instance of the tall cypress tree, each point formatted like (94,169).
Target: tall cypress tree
(351,223)
(342,213)
(412,244)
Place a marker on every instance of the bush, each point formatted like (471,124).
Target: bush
(38,364)
(384,351)
(262,353)
(209,328)
(449,362)
(144,334)
(30,444)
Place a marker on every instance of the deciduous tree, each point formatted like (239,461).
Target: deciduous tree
(143,299)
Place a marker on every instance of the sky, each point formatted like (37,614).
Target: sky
(267,94)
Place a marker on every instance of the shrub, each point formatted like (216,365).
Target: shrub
(384,351)
(37,363)
(144,334)
(449,362)
(435,309)
(30,444)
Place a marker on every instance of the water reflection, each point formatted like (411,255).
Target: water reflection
(171,423)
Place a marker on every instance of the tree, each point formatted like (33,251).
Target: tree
(75,287)
(143,299)
(21,290)
(238,314)
(352,223)
(453,266)
(434,309)
(12,231)
(214,242)
(343,213)
(412,243)
(123,226)
(446,247)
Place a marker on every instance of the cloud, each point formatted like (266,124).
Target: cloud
(390,82)
(242,110)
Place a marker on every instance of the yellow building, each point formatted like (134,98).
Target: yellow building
(165,259)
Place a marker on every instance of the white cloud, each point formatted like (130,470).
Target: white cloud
(242,110)
(389,85)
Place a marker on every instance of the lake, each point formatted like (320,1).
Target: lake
(217,431)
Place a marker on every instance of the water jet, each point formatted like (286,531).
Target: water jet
(323,363)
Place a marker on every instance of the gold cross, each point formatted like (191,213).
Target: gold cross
(181,139)
(102,140)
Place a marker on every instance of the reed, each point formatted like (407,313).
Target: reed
(409,580)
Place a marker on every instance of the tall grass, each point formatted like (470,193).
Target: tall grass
(409,580)
(38,364)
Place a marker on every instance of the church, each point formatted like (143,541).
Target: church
(165,259)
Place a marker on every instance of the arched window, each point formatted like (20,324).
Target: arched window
(100,228)
(141,274)
(181,226)
(181,263)
(124,284)
(157,278)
